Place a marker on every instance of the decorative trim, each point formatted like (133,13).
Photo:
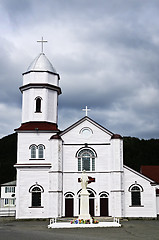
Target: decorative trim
(91,189)
(84,144)
(40,85)
(91,121)
(94,172)
(54,191)
(69,193)
(135,184)
(47,165)
(36,185)
(136,205)
(36,159)
(85,148)
(42,71)
(104,192)
(36,207)
(117,190)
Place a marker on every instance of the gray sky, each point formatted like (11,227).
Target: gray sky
(106,52)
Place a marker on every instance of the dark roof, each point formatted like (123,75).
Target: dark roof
(13,183)
(38,126)
(116,136)
(151,172)
(56,136)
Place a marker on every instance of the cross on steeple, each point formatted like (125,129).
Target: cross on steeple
(86,110)
(42,43)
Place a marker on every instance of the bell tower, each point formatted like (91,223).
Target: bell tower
(34,165)
(40,91)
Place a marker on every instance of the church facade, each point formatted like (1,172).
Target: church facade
(50,162)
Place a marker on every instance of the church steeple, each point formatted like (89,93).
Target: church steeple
(40,91)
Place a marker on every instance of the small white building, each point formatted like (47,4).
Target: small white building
(50,161)
(8,199)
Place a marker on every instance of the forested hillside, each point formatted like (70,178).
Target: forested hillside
(8,157)
(136,153)
(140,152)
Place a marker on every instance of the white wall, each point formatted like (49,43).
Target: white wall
(148,196)
(25,179)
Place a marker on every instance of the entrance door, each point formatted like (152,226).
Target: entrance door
(91,207)
(68,207)
(104,205)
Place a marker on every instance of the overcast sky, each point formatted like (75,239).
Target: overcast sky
(106,52)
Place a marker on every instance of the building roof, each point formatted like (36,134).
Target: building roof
(139,174)
(112,135)
(38,126)
(82,120)
(13,183)
(41,63)
(151,172)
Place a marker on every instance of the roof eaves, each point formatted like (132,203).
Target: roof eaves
(139,174)
(91,121)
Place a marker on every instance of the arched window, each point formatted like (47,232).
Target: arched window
(33,151)
(38,104)
(136,194)
(36,191)
(86,160)
(37,152)
(40,151)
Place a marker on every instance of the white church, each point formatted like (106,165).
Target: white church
(50,161)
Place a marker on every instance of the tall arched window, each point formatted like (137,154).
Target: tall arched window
(86,160)
(136,194)
(38,104)
(33,151)
(36,191)
(40,151)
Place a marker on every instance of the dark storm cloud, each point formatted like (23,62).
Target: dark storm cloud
(107,53)
(8,75)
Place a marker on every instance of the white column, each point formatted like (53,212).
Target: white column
(84,205)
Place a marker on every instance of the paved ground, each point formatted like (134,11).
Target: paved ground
(11,229)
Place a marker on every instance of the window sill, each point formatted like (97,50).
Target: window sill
(36,207)
(37,159)
(136,206)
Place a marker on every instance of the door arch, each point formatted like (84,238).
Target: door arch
(69,204)
(104,209)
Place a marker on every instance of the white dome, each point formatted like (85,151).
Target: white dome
(41,63)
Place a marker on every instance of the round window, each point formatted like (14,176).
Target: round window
(86,132)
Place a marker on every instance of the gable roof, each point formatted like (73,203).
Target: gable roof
(151,172)
(13,183)
(89,120)
(139,174)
